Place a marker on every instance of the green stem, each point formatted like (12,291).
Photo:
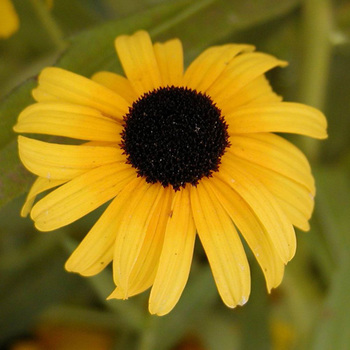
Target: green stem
(303,302)
(147,336)
(50,25)
(317,27)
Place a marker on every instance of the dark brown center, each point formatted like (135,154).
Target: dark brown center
(174,135)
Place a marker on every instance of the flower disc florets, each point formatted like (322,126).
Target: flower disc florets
(174,135)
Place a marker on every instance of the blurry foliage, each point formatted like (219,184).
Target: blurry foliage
(310,310)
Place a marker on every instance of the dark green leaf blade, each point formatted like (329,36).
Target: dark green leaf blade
(14,178)
(10,107)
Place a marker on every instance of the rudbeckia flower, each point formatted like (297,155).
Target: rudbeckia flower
(178,153)
(9,22)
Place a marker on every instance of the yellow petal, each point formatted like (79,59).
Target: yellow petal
(275,153)
(118,84)
(40,185)
(169,57)
(95,251)
(240,72)
(295,216)
(208,66)
(9,22)
(256,91)
(137,57)
(73,88)
(176,257)
(265,207)
(80,196)
(69,120)
(288,193)
(145,268)
(132,230)
(43,96)
(251,229)
(222,245)
(278,117)
(63,162)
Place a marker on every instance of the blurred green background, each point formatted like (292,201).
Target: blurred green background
(44,307)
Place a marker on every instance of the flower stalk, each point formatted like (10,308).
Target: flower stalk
(317,47)
(49,24)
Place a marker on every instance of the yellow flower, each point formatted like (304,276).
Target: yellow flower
(9,22)
(178,153)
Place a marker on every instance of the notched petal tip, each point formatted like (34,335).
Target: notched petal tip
(73,264)
(119,294)
(142,34)
(157,313)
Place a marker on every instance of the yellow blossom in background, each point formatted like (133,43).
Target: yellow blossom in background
(9,22)
(282,334)
(178,153)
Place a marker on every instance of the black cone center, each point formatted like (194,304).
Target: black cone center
(174,135)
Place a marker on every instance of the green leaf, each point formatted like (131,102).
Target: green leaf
(227,18)
(29,285)
(185,19)
(14,178)
(10,107)
(94,50)
(332,332)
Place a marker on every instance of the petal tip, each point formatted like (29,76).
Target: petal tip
(118,293)
(24,212)
(243,300)
(68,266)
(158,311)
(42,227)
(21,138)
(283,63)
(139,33)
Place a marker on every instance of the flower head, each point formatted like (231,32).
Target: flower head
(178,153)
